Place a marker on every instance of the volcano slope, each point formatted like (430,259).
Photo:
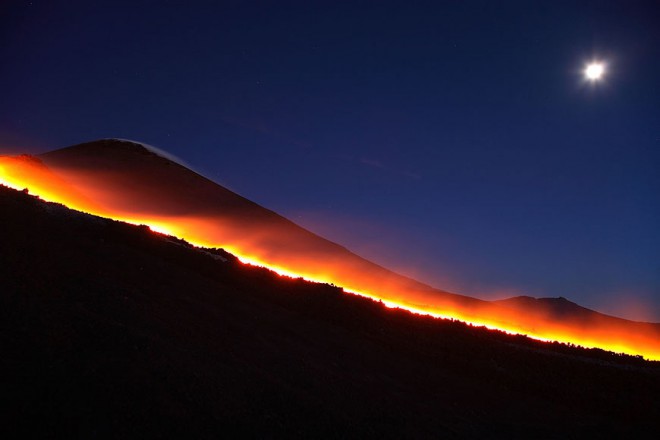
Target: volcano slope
(111,330)
(127,180)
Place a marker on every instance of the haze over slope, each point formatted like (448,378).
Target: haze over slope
(125,180)
(136,182)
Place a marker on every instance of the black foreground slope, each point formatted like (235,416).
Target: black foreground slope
(110,330)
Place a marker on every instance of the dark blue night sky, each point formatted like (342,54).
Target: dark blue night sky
(457,142)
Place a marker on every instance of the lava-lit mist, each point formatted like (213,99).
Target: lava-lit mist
(171,199)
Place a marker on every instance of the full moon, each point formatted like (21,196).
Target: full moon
(594,71)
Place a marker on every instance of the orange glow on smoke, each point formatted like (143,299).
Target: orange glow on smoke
(99,192)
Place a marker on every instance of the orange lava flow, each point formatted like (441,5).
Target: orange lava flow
(603,332)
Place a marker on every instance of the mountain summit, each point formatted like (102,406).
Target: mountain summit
(131,180)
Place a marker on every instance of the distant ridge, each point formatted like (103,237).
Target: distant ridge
(559,306)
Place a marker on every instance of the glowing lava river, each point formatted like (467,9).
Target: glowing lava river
(127,181)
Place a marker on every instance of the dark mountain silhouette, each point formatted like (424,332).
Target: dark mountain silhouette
(111,330)
(124,179)
(137,181)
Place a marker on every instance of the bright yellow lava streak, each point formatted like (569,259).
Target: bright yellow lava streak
(170,227)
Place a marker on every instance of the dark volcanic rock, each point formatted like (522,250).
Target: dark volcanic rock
(110,330)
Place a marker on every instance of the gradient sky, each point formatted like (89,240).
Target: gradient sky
(456,142)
